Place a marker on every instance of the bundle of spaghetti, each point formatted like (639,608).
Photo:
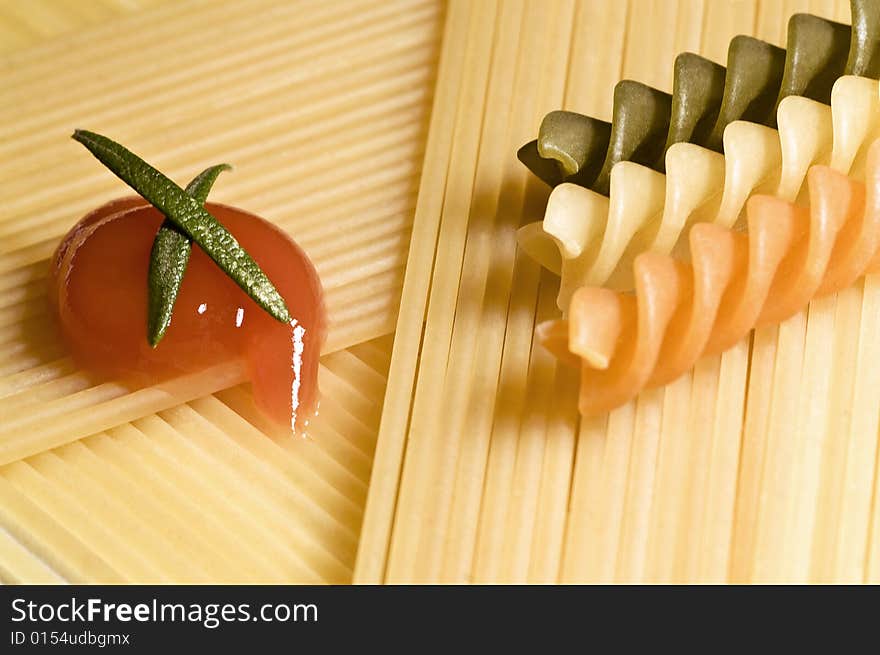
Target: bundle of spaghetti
(680,312)
(146,498)
(24,24)
(653,485)
(654,489)
(377,102)
(634,465)
(481,38)
(355,223)
(49,402)
(526,479)
(148,501)
(805,128)
(485,474)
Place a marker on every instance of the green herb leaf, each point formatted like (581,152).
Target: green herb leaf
(201,184)
(190,217)
(169,258)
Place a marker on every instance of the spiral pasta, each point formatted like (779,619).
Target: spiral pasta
(755,126)
(591,239)
(735,281)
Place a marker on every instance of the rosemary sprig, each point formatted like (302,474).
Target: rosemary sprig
(169,258)
(190,217)
(201,184)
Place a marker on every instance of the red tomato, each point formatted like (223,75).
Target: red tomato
(99,291)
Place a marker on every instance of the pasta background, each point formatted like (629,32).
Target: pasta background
(760,465)
(322,109)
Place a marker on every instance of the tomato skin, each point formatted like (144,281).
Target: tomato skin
(98,289)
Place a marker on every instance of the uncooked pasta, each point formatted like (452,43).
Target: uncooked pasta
(686,482)
(680,312)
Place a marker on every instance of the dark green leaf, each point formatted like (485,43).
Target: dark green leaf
(169,258)
(189,215)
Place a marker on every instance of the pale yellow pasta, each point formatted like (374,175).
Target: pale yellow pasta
(807,134)
(357,235)
(773,521)
(379,513)
(189,458)
(322,108)
(21,565)
(660,489)
(760,465)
